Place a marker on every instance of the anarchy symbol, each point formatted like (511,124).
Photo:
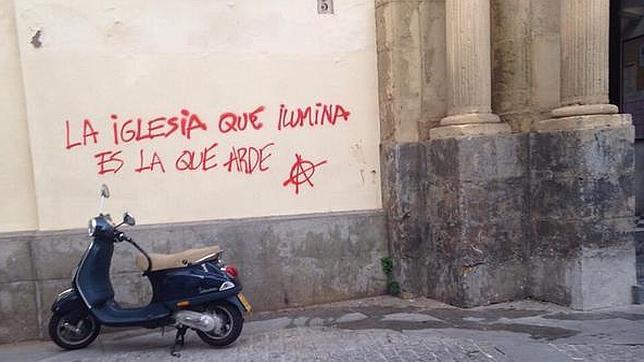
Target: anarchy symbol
(301,172)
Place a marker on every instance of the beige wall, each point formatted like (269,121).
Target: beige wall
(139,59)
(146,59)
(18,210)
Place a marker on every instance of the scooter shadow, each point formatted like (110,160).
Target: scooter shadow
(147,341)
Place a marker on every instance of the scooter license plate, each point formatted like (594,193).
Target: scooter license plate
(244,302)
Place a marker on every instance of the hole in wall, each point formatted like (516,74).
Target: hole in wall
(35,39)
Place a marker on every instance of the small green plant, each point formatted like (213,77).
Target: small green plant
(387,264)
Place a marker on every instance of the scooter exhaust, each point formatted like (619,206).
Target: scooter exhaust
(195,320)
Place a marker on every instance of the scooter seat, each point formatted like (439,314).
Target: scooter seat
(177,260)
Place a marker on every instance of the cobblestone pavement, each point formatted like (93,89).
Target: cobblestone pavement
(388,329)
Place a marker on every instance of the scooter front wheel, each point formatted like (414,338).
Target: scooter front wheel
(228,328)
(73,331)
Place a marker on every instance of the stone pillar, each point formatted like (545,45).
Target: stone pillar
(475,177)
(581,251)
(584,58)
(401,85)
(468,72)
(584,68)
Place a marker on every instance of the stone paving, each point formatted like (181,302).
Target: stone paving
(388,329)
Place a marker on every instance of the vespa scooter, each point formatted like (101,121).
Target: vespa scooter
(192,289)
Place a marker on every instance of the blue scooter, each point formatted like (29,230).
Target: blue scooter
(192,289)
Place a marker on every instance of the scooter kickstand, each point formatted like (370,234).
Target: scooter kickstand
(179,340)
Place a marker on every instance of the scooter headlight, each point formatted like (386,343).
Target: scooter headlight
(91,227)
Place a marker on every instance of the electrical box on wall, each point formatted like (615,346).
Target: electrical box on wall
(325,6)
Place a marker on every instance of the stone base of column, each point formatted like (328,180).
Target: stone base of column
(477,218)
(403,173)
(584,110)
(581,251)
(472,129)
(581,122)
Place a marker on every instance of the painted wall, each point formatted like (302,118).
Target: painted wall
(184,108)
(18,210)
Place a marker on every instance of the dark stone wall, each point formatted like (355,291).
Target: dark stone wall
(480,220)
(284,262)
(639,177)
(477,208)
(639,250)
(457,216)
(582,192)
(403,189)
(639,210)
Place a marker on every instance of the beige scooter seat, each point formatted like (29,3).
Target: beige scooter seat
(177,260)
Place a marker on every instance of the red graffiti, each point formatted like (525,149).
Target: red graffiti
(108,162)
(248,159)
(88,131)
(233,122)
(301,172)
(319,115)
(190,160)
(137,129)
(155,161)
(184,125)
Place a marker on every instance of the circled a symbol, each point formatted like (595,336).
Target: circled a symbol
(301,173)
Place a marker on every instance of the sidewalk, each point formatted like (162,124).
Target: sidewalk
(388,329)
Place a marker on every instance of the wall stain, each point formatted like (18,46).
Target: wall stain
(35,39)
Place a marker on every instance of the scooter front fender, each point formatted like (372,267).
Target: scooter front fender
(66,301)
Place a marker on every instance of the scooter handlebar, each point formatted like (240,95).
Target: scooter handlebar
(122,237)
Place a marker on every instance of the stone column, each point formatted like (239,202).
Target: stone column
(584,68)
(582,252)
(474,185)
(468,71)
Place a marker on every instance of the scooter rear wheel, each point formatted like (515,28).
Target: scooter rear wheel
(73,331)
(231,325)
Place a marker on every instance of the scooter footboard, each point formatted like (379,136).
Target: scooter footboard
(66,301)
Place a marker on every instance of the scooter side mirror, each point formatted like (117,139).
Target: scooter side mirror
(105,191)
(128,219)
